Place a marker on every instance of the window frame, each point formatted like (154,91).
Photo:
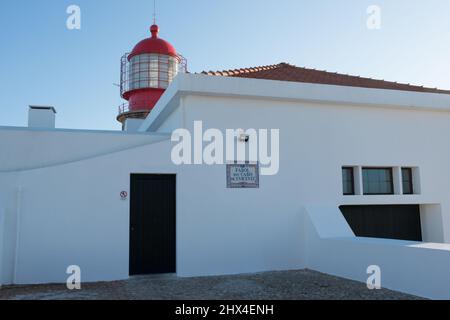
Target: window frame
(352,171)
(391,173)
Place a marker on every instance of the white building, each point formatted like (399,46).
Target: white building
(115,204)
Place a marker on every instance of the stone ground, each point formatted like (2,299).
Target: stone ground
(289,285)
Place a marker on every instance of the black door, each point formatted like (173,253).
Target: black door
(152,224)
(401,222)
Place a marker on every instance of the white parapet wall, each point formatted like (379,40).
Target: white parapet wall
(409,267)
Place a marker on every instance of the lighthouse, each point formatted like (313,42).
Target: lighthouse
(146,73)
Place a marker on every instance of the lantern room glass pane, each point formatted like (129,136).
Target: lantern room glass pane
(151,71)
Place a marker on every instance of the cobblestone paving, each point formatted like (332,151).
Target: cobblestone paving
(289,285)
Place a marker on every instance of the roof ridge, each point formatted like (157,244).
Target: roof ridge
(241,70)
(370,78)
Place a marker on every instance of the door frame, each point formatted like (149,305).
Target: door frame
(175,174)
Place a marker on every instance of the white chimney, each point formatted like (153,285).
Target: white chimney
(41,117)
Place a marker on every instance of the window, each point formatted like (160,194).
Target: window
(378,181)
(407,180)
(348,181)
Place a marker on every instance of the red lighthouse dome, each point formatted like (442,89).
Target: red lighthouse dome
(146,73)
(153,45)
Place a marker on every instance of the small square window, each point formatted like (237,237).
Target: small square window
(407,181)
(348,181)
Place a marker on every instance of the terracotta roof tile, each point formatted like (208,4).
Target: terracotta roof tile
(287,72)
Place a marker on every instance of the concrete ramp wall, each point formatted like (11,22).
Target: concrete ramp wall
(416,268)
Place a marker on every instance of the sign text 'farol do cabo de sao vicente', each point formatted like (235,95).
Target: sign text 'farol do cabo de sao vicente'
(242,175)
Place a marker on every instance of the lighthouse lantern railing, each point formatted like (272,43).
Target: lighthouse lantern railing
(149,71)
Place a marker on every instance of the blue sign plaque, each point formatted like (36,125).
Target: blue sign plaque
(243,175)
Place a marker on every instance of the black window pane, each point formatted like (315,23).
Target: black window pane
(378,181)
(407,181)
(348,181)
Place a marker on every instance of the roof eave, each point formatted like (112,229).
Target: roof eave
(204,85)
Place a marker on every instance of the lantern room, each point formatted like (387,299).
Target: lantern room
(146,73)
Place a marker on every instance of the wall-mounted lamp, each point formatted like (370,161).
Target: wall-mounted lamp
(244,137)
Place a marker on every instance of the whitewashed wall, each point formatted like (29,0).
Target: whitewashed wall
(316,140)
(71,213)
(8,210)
(68,210)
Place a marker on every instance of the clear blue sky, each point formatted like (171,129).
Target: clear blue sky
(44,63)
